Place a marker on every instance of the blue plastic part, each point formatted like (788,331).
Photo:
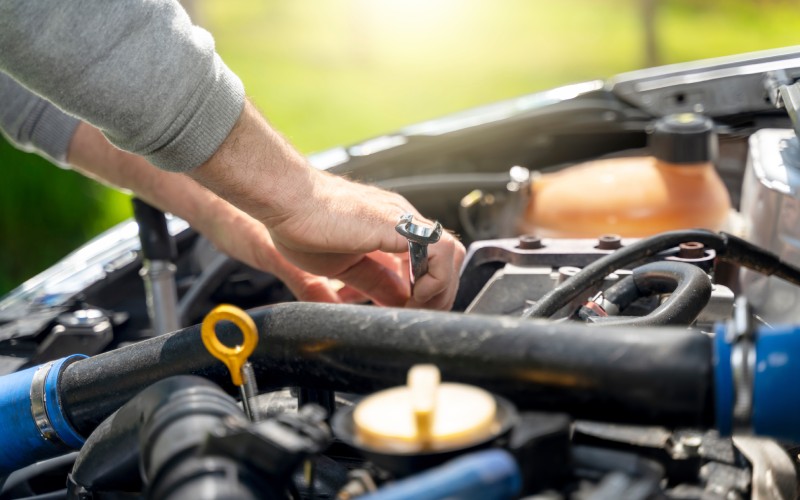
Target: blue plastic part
(723,381)
(484,475)
(776,399)
(21,443)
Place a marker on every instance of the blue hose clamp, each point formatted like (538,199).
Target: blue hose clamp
(34,425)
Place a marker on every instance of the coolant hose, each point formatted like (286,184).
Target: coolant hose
(491,474)
(688,285)
(34,423)
(621,375)
(162,422)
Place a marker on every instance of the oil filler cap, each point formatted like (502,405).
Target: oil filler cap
(683,138)
(425,415)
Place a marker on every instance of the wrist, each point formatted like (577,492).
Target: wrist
(257,170)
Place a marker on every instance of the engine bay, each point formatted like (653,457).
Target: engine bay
(625,325)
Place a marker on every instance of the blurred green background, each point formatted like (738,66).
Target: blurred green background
(328,72)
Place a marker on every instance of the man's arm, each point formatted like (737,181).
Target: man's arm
(153,84)
(321,222)
(228,228)
(137,70)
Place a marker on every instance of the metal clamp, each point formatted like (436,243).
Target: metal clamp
(743,360)
(39,405)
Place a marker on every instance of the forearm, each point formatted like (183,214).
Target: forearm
(91,154)
(228,228)
(94,156)
(256,169)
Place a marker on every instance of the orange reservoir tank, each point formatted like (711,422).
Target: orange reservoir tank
(676,188)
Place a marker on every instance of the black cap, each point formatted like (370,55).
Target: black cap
(684,138)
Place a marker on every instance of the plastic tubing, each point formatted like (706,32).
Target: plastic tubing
(491,474)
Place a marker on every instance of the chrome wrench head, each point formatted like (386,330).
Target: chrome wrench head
(419,237)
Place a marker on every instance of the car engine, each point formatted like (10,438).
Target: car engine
(625,326)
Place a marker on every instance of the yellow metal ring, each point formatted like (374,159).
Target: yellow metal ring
(233,357)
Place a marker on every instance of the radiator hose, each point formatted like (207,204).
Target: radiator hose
(35,425)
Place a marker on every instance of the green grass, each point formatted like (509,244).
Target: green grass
(327,72)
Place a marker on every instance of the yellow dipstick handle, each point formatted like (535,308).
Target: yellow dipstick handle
(233,357)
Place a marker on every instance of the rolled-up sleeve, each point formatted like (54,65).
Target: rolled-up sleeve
(137,70)
(34,124)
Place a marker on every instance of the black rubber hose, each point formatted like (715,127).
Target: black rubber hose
(689,286)
(728,247)
(157,244)
(663,377)
(569,290)
(111,456)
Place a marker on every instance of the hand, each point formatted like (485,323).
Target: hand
(240,236)
(347,231)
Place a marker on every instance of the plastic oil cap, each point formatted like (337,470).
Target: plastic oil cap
(684,138)
(425,415)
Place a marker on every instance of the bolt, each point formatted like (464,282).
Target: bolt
(530,242)
(566,272)
(609,242)
(691,250)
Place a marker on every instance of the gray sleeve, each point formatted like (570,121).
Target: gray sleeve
(137,70)
(34,124)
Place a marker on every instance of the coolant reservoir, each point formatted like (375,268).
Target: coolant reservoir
(676,188)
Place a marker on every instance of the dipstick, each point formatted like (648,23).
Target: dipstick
(235,358)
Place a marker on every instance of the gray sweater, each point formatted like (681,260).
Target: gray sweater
(34,124)
(136,69)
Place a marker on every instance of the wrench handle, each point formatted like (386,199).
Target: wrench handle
(417,261)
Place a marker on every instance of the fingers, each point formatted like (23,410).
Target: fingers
(377,276)
(312,289)
(437,289)
(349,295)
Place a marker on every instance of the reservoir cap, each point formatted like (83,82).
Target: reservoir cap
(684,138)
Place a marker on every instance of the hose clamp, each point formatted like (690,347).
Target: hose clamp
(45,405)
(743,360)
(39,406)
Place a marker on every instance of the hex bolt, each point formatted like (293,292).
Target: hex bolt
(691,250)
(419,237)
(530,242)
(609,242)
